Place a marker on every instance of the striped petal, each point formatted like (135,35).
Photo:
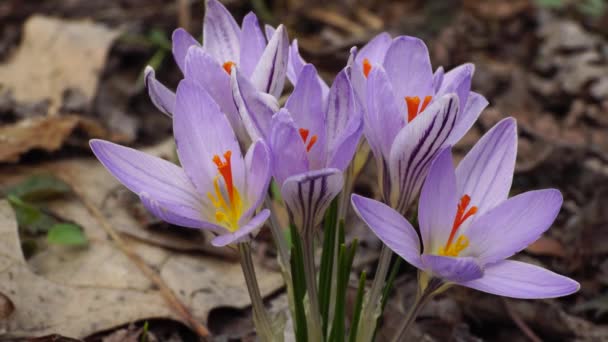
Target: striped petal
(458,80)
(161,97)
(476,103)
(308,195)
(221,34)
(269,73)
(517,279)
(415,147)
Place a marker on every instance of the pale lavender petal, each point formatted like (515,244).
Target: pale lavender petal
(175,214)
(182,41)
(438,78)
(455,270)
(308,195)
(269,74)
(306,110)
(269,31)
(201,132)
(153,179)
(415,147)
(221,34)
(344,122)
(244,233)
(438,203)
(374,51)
(163,98)
(288,151)
(383,121)
(476,103)
(207,73)
(512,225)
(390,227)
(458,80)
(253,43)
(258,164)
(486,172)
(521,280)
(295,65)
(408,66)
(255,107)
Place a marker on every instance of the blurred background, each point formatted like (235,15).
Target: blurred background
(83,259)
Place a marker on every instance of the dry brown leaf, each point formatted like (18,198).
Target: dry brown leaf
(47,133)
(547,246)
(77,292)
(55,56)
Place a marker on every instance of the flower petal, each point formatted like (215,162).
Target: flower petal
(182,41)
(390,227)
(163,98)
(253,43)
(455,270)
(153,179)
(438,78)
(476,103)
(512,225)
(255,107)
(344,122)
(201,132)
(486,172)
(269,73)
(415,147)
(517,279)
(308,195)
(408,65)
(383,120)
(244,233)
(294,67)
(458,80)
(175,214)
(221,34)
(438,203)
(288,151)
(306,110)
(208,74)
(374,51)
(257,162)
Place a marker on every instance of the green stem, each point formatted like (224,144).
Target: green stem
(373,304)
(310,272)
(260,317)
(279,239)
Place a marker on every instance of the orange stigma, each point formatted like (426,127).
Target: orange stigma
(462,214)
(228,66)
(304,134)
(413,102)
(367,67)
(226,171)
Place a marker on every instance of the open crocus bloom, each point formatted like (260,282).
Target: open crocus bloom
(468,226)
(312,139)
(259,57)
(410,114)
(217,189)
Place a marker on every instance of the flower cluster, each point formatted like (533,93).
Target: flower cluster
(409,115)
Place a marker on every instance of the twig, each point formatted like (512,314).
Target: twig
(174,302)
(525,329)
(183,14)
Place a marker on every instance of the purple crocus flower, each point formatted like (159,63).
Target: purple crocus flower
(259,57)
(468,226)
(410,114)
(312,139)
(215,189)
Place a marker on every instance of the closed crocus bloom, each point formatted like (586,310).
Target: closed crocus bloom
(215,189)
(410,114)
(260,58)
(469,226)
(312,139)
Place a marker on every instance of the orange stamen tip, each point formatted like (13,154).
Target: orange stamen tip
(462,214)
(312,142)
(304,133)
(367,67)
(412,107)
(228,66)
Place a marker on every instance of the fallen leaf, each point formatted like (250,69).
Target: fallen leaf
(547,246)
(47,133)
(55,56)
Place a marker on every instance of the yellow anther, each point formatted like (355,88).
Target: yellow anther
(455,248)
